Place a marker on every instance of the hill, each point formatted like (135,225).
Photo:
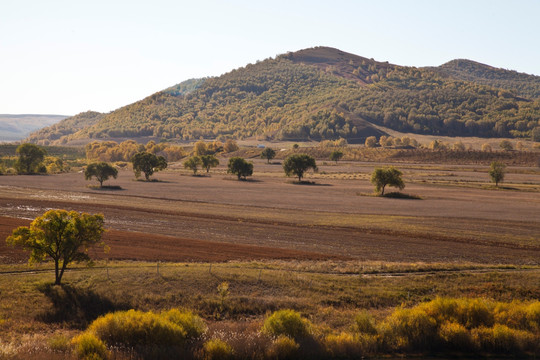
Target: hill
(17,127)
(524,85)
(315,94)
(57,133)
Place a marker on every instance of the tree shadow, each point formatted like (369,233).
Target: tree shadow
(76,307)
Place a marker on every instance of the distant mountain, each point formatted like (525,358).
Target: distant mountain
(525,85)
(17,127)
(324,93)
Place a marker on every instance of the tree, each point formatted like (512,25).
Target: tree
(240,167)
(147,163)
(102,171)
(506,145)
(209,161)
(497,171)
(390,176)
(298,164)
(199,148)
(192,163)
(535,134)
(30,158)
(268,154)
(230,146)
(64,236)
(336,155)
(371,141)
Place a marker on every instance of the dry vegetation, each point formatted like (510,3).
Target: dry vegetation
(322,250)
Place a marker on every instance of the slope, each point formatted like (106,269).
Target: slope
(524,85)
(320,93)
(16,127)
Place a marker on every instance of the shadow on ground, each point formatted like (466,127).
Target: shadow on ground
(76,307)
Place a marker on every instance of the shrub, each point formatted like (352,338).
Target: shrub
(288,323)
(135,328)
(283,347)
(455,336)
(371,142)
(363,323)
(88,346)
(343,345)
(217,349)
(410,328)
(502,339)
(193,325)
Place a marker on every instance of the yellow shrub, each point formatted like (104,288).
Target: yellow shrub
(283,347)
(363,323)
(88,346)
(215,349)
(410,328)
(343,345)
(501,338)
(288,323)
(135,328)
(455,336)
(193,325)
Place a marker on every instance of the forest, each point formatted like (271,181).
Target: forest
(320,94)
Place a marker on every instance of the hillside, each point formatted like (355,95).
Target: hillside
(524,85)
(56,134)
(315,94)
(17,127)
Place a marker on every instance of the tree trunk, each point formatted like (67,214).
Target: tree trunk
(382,190)
(57,276)
(100,183)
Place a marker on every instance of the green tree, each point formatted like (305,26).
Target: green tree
(240,167)
(268,154)
(64,236)
(298,164)
(30,158)
(102,171)
(147,163)
(497,171)
(209,161)
(200,148)
(390,176)
(193,163)
(336,155)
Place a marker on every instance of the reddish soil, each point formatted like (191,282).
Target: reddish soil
(127,245)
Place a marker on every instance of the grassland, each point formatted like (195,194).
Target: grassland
(324,250)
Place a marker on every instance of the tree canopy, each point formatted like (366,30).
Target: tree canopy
(336,155)
(192,163)
(209,161)
(102,171)
(240,167)
(64,236)
(268,154)
(147,163)
(388,176)
(497,170)
(298,164)
(30,159)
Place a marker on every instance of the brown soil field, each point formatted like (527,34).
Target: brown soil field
(459,219)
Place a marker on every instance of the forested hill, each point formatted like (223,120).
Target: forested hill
(319,93)
(525,85)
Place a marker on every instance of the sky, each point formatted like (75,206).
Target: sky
(65,57)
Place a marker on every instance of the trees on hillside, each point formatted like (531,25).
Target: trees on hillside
(497,170)
(336,155)
(268,154)
(148,164)
(389,176)
(240,167)
(30,159)
(102,171)
(64,236)
(298,164)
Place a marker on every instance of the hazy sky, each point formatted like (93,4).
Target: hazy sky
(64,57)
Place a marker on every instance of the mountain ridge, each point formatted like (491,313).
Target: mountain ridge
(316,94)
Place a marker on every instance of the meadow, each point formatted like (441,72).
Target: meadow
(329,250)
